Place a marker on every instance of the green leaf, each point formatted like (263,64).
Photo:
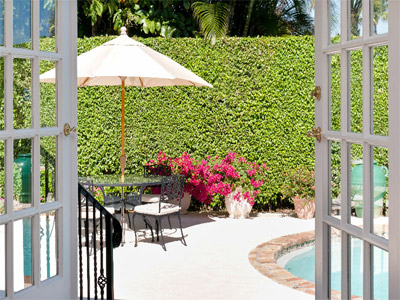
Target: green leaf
(145,26)
(152,26)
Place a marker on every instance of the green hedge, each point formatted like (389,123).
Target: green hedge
(260,107)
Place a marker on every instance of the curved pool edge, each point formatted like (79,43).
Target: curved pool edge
(264,259)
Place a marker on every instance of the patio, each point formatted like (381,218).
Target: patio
(214,265)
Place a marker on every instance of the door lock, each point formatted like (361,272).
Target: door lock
(316,133)
(68,129)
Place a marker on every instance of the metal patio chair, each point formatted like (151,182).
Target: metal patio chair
(171,189)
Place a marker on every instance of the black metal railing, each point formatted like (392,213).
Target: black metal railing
(98,232)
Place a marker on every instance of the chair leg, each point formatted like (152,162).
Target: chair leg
(169,221)
(157,229)
(151,228)
(180,224)
(162,236)
(134,228)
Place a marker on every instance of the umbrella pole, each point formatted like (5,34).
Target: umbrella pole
(123,156)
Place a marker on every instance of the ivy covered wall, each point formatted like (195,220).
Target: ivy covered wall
(260,107)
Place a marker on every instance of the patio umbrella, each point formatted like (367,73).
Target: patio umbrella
(126,62)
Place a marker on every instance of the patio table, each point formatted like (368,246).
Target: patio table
(116,180)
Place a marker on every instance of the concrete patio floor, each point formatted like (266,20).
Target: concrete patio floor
(213,265)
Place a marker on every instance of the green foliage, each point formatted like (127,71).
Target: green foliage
(299,182)
(165,18)
(213,19)
(260,107)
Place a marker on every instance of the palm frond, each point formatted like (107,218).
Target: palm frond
(212,18)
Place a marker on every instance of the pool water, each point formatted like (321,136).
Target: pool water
(303,265)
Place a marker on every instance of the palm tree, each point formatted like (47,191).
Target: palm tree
(213,19)
(248,18)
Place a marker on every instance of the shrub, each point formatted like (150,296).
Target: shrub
(260,107)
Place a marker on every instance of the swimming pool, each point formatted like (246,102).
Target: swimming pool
(301,263)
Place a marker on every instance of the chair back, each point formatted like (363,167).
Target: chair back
(111,199)
(162,170)
(172,189)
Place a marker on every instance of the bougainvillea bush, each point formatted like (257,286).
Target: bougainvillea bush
(204,179)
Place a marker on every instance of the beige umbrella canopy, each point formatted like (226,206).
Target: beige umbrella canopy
(124,61)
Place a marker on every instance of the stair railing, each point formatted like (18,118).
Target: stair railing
(91,230)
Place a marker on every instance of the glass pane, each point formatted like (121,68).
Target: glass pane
(335,263)
(47,98)
(356,183)
(380,16)
(1,27)
(380,94)
(47,24)
(22,23)
(335,92)
(22,174)
(2,261)
(356,115)
(47,169)
(2,176)
(1,93)
(381,273)
(355,19)
(334,21)
(22,93)
(48,245)
(23,276)
(356,267)
(335,179)
(380,191)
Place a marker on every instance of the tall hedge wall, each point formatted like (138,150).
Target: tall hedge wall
(260,107)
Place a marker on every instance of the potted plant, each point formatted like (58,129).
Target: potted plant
(240,183)
(299,186)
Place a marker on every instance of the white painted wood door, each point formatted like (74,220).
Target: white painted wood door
(38,163)
(352,43)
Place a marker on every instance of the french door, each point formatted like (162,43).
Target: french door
(38,164)
(357,68)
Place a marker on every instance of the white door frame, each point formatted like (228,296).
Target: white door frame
(64,284)
(324,220)
(394,149)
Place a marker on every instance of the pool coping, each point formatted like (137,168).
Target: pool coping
(264,259)
(265,256)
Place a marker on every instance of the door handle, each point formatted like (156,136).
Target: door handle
(315,133)
(68,129)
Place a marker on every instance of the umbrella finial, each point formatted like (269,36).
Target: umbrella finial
(123,30)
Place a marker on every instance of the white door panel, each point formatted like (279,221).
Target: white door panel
(352,43)
(38,164)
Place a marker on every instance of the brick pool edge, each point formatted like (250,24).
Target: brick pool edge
(265,256)
(264,259)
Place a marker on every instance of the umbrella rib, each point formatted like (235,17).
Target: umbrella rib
(84,82)
(141,81)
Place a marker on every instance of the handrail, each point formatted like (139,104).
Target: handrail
(92,220)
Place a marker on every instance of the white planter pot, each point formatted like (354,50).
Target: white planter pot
(185,203)
(237,209)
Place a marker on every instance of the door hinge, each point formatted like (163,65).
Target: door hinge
(315,133)
(316,93)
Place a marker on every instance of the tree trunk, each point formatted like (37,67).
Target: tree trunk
(231,14)
(248,17)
